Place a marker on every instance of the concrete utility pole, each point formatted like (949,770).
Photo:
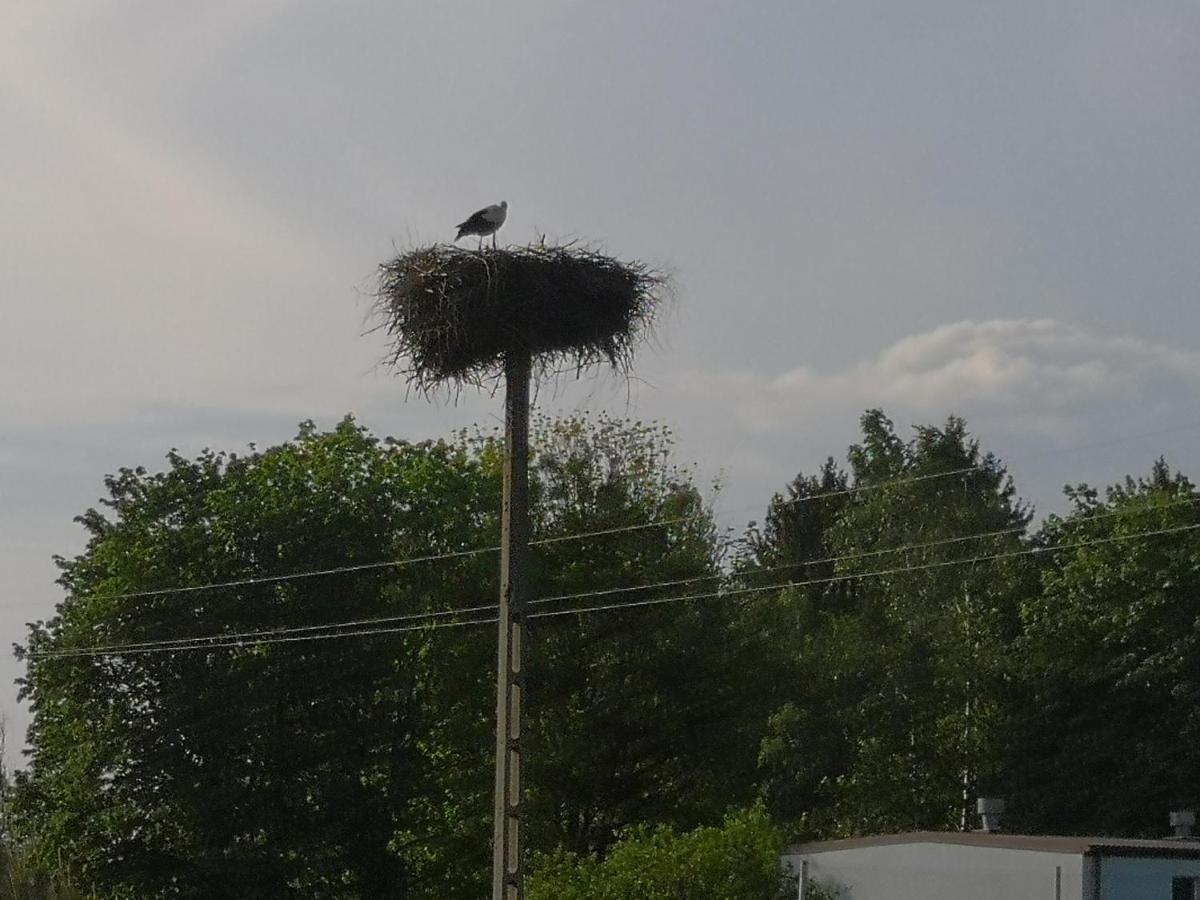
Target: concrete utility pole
(440,306)
(507,862)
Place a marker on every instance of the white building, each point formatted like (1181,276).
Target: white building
(989,866)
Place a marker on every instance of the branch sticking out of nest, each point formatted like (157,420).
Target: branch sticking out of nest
(452,315)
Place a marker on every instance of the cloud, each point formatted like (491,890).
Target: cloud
(1013,365)
(197,190)
(1025,386)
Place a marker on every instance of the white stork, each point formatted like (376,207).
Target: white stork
(487,221)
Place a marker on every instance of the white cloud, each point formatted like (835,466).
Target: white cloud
(1025,386)
(1016,365)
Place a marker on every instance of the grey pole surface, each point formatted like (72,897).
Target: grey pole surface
(507,861)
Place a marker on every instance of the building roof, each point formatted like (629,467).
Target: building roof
(1041,843)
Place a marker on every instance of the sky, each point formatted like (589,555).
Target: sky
(989,210)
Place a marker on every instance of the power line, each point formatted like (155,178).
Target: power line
(833,579)
(311,573)
(244,636)
(558,597)
(380,564)
(619,529)
(1040,454)
(880,551)
(219,641)
(224,642)
(657,523)
(880,485)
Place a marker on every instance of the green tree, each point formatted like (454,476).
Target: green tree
(633,715)
(797,535)
(361,767)
(322,768)
(892,711)
(738,860)
(794,546)
(21,879)
(1107,708)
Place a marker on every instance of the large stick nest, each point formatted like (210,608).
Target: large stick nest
(453,315)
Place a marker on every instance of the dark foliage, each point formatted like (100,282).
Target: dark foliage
(344,769)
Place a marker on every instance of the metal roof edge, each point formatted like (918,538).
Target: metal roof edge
(1037,843)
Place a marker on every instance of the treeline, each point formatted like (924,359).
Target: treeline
(894,639)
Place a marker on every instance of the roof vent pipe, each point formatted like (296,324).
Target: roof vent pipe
(1182,821)
(990,810)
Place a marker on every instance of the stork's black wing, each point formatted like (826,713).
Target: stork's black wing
(478,222)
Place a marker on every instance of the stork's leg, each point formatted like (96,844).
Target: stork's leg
(480,247)
(493,240)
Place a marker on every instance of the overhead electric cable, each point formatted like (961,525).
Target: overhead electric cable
(289,635)
(657,523)
(211,642)
(879,551)
(379,564)
(244,636)
(852,576)
(1039,454)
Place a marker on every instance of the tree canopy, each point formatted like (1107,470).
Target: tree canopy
(889,713)
(739,859)
(360,766)
(1109,679)
(893,641)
